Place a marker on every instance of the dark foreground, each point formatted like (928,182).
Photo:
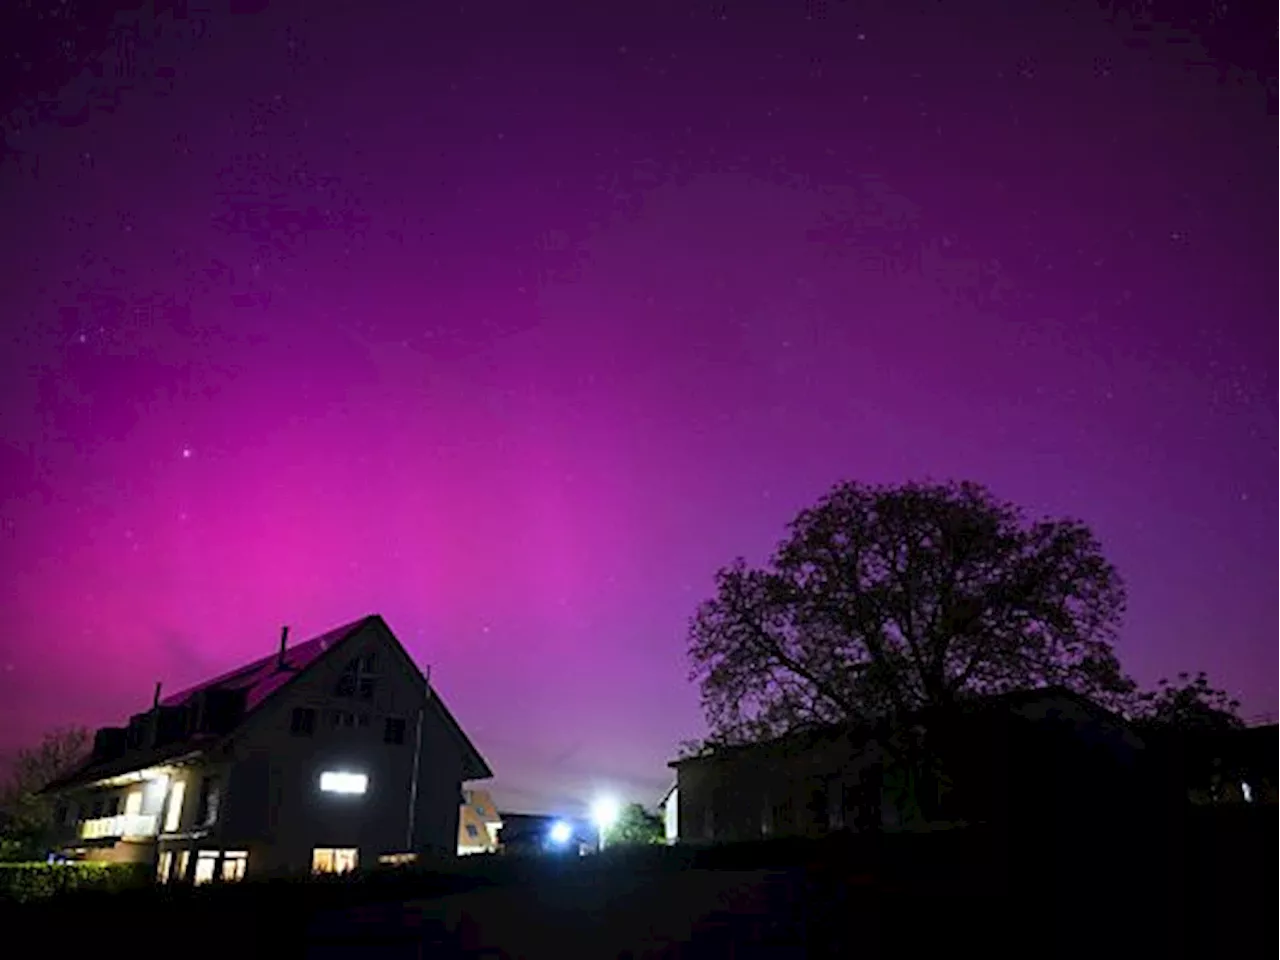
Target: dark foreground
(1212,893)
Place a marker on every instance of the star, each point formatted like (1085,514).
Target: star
(186,453)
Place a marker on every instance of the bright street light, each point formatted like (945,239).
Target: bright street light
(604,813)
(560,833)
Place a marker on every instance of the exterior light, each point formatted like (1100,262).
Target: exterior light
(337,781)
(560,833)
(604,813)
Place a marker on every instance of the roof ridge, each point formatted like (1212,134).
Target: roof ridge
(246,670)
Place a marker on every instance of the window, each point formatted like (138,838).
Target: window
(362,720)
(338,781)
(234,863)
(472,832)
(96,810)
(173,815)
(303,722)
(397,859)
(334,859)
(393,732)
(342,718)
(133,803)
(346,684)
(210,797)
(164,866)
(365,676)
(206,866)
(184,861)
(357,678)
(113,807)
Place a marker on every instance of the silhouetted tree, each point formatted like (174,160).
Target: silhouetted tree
(44,44)
(27,816)
(1182,722)
(636,825)
(1191,704)
(885,599)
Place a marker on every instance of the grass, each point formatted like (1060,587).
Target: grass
(1204,889)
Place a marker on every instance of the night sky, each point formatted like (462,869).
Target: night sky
(514,326)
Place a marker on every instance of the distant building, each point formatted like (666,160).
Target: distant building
(478,823)
(325,756)
(1033,757)
(531,833)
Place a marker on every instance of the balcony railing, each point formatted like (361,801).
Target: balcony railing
(122,825)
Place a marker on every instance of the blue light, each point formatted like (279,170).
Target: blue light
(560,833)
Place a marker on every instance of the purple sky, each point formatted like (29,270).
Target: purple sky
(515,327)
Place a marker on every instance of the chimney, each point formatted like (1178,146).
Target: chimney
(284,640)
(154,732)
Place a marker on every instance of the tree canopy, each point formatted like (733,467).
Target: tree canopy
(1190,704)
(28,817)
(883,599)
(636,825)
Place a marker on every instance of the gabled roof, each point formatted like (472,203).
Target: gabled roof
(259,681)
(867,730)
(263,677)
(474,766)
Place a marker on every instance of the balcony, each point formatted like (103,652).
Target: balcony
(122,825)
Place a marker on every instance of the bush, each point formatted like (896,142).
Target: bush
(25,882)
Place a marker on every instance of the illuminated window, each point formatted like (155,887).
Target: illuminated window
(234,863)
(337,781)
(206,865)
(173,815)
(397,859)
(165,866)
(210,794)
(184,861)
(333,859)
(133,804)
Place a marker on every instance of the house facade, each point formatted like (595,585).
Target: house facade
(478,823)
(1026,759)
(326,756)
